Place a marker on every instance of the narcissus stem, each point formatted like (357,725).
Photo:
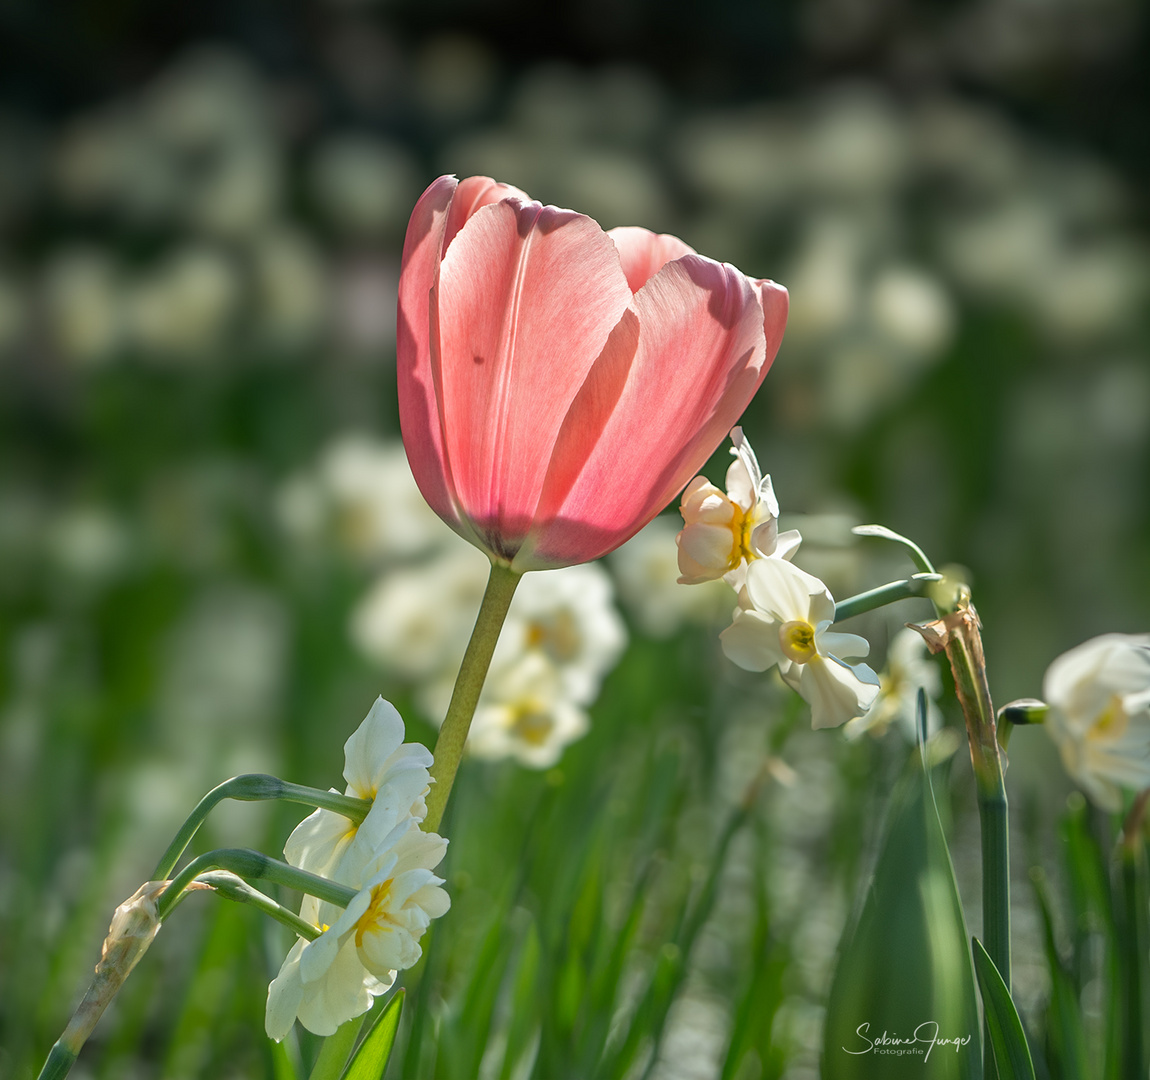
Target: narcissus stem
(255,787)
(453,735)
(252,864)
(959,635)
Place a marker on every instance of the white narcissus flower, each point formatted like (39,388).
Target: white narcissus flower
(722,533)
(525,714)
(1099,698)
(416,622)
(909,667)
(646,573)
(569,617)
(784,618)
(379,511)
(380,768)
(328,981)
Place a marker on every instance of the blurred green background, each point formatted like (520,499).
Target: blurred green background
(201,212)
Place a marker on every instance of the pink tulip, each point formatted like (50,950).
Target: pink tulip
(558,384)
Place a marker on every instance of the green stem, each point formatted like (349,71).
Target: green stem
(254,787)
(252,864)
(234,888)
(336,1050)
(1133,936)
(468,684)
(1131,962)
(915,585)
(960,635)
(992,812)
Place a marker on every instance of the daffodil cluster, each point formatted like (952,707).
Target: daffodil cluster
(784,614)
(387,857)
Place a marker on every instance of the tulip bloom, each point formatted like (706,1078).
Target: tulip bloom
(558,384)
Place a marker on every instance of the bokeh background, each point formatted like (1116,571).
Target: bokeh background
(201,212)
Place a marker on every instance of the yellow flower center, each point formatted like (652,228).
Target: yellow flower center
(741,525)
(376,913)
(1111,722)
(558,636)
(797,640)
(531,724)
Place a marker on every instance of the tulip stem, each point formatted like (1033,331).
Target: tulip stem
(468,684)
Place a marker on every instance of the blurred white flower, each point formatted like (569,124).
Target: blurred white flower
(379,511)
(910,308)
(89,542)
(1089,292)
(380,768)
(416,623)
(240,193)
(289,281)
(524,713)
(1099,698)
(95,156)
(183,307)
(1004,250)
(210,96)
(364,325)
(83,301)
(723,533)
(744,159)
(784,618)
(568,616)
(824,279)
(855,145)
(364,184)
(646,571)
(12,314)
(328,981)
(908,667)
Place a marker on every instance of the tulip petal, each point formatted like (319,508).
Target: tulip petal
(644,253)
(674,376)
(527,297)
(419,418)
(442,210)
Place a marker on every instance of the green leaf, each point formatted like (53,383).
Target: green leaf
(902,1001)
(282,1066)
(1066,1032)
(370,1060)
(1007,1039)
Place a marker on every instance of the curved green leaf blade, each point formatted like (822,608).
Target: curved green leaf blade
(374,1052)
(903,1001)
(1007,1039)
